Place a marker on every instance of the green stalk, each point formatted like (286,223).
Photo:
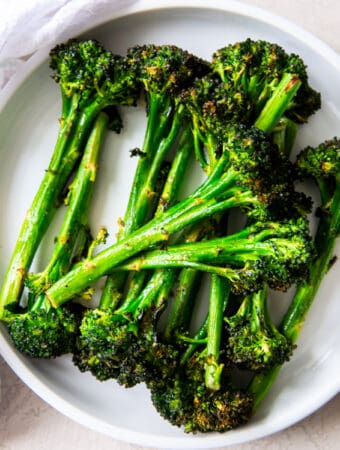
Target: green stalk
(284,133)
(213,369)
(180,313)
(158,141)
(156,132)
(224,250)
(168,196)
(295,317)
(42,208)
(198,206)
(146,192)
(155,293)
(200,336)
(78,202)
(278,103)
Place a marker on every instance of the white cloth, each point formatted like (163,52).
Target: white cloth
(27,25)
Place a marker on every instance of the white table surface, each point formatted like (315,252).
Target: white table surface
(27,422)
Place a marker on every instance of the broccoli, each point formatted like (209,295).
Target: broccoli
(213,104)
(184,400)
(247,175)
(277,253)
(118,339)
(39,330)
(201,396)
(163,71)
(254,342)
(210,106)
(260,67)
(91,79)
(122,343)
(323,165)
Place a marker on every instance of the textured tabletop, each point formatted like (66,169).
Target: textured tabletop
(27,422)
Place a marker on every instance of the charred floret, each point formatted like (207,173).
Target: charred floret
(122,343)
(259,66)
(165,69)
(185,401)
(254,342)
(91,75)
(40,331)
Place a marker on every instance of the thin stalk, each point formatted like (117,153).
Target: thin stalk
(157,123)
(158,141)
(180,313)
(213,369)
(284,135)
(295,317)
(214,251)
(78,202)
(278,103)
(168,196)
(156,231)
(42,208)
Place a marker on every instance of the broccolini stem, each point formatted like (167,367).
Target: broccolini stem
(45,202)
(163,281)
(201,334)
(181,309)
(113,290)
(213,370)
(278,103)
(78,202)
(168,196)
(295,316)
(176,173)
(146,193)
(325,239)
(136,285)
(156,231)
(156,132)
(199,150)
(157,143)
(220,250)
(198,338)
(284,135)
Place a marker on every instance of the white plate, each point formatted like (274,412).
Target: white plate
(28,125)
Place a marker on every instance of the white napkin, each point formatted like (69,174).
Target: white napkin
(27,25)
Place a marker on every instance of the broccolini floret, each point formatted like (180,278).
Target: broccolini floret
(254,342)
(259,67)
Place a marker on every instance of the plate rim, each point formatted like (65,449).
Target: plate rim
(17,361)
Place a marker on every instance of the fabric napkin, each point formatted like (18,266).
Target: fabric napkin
(27,25)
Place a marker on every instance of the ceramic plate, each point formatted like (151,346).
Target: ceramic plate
(28,125)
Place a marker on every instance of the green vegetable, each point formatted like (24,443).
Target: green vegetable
(91,79)
(38,330)
(231,184)
(323,165)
